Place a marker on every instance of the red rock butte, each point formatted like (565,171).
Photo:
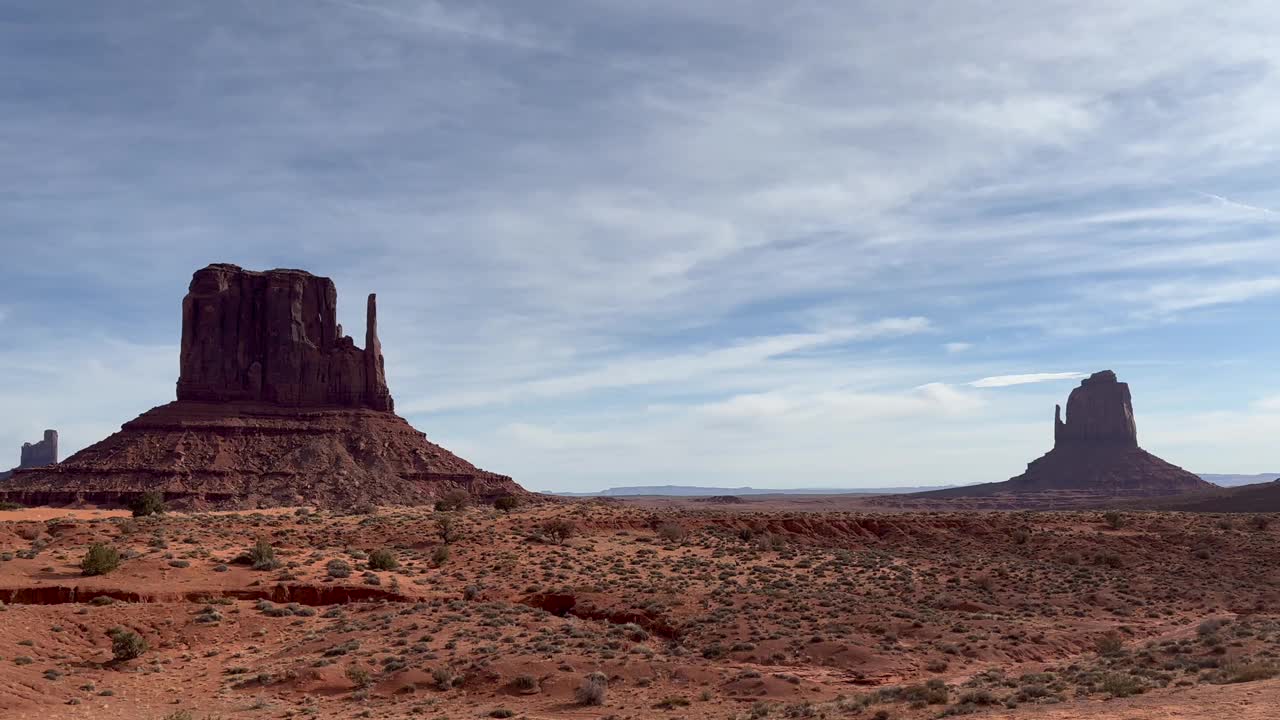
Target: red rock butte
(275,407)
(1095,451)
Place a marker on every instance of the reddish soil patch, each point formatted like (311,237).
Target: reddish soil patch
(707,613)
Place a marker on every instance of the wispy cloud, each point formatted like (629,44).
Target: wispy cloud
(1024,379)
(678,368)
(665,219)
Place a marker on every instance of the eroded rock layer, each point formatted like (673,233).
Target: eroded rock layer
(257,455)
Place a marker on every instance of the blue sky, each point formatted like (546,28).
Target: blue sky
(649,242)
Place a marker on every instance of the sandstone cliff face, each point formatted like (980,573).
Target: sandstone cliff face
(275,407)
(1099,412)
(274,337)
(41,453)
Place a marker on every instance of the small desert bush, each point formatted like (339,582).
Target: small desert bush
(148,503)
(1121,685)
(10,506)
(525,684)
(557,530)
(440,555)
(126,644)
(360,677)
(383,559)
(453,500)
(445,677)
(506,503)
(1114,519)
(263,556)
(447,528)
(1260,522)
(1112,643)
(338,569)
(100,560)
(1241,671)
(593,690)
(673,533)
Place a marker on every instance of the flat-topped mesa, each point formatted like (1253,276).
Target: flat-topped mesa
(1099,413)
(40,454)
(274,337)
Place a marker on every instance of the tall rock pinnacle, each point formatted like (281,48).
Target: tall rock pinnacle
(274,337)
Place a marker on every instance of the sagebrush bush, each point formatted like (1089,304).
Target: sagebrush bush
(100,560)
(263,556)
(558,530)
(383,559)
(1112,643)
(453,500)
(338,569)
(126,644)
(506,503)
(671,532)
(593,690)
(440,555)
(148,503)
(447,528)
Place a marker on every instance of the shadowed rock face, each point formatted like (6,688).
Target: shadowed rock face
(40,453)
(1099,412)
(274,337)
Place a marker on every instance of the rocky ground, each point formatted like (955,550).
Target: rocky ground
(594,609)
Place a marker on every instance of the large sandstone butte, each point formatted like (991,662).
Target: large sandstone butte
(1095,451)
(275,407)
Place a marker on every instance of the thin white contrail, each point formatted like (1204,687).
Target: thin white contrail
(1233,203)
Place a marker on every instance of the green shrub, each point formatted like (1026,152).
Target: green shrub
(360,677)
(148,503)
(1112,643)
(338,569)
(593,690)
(126,644)
(447,528)
(263,556)
(100,560)
(507,503)
(383,559)
(1121,685)
(1242,671)
(1114,519)
(453,500)
(557,530)
(440,555)
(672,533)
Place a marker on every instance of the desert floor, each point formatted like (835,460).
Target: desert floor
(686,611)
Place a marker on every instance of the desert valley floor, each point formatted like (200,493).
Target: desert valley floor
(696,611)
